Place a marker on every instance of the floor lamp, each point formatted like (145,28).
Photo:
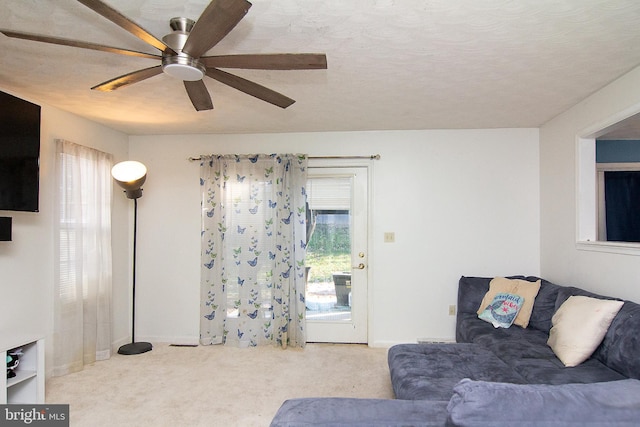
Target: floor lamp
(130,175)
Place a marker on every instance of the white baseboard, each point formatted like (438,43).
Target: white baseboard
(191,340)
(384,344)
(179,340)
(436,340)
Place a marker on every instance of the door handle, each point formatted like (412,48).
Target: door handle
(359,266)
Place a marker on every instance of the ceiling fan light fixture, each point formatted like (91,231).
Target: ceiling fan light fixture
(183,68)
(183,72)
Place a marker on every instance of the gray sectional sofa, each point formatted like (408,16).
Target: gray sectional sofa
(498,376)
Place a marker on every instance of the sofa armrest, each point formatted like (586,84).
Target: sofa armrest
(336,411)
(615,403)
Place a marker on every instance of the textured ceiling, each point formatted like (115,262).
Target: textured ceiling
(392,64)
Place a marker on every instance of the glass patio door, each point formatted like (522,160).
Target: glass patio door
(336,294)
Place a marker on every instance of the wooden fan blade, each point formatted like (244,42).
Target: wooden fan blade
(250,88)
(128,79)
(76,43)
(124,22)
(220,17)
(198,94)
(275,61)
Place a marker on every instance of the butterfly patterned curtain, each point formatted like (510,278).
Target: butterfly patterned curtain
(253,249)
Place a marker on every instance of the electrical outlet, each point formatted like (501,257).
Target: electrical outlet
(452,310)
(389,237)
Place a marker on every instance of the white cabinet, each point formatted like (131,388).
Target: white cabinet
(28,384)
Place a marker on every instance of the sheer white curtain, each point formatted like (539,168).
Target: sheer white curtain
(253,250)
(82,295)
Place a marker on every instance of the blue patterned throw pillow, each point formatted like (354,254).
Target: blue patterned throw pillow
(503,310)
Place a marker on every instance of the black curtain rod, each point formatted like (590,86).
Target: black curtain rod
(371,157)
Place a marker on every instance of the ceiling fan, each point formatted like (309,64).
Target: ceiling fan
(182,50)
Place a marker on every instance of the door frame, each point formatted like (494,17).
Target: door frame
(367,164)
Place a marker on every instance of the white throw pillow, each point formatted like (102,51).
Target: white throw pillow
(579,326)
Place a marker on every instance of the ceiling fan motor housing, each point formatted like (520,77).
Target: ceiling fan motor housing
(182,66)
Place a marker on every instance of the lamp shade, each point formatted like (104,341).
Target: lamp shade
(130,175)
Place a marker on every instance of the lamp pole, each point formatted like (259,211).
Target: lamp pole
(134,347)
(133,281)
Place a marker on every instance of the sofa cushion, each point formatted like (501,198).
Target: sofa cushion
(550,370)
(334,411)
(567,291)
(471,291)
(579,326)
(544,306)
(479,403)
(429,371)
(621,345)
(472,329)
(524,288)
(526,352)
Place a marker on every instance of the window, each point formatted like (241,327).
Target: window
(619,202)
(82,295)
(609,187)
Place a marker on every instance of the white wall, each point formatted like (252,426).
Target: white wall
(26,263)
(561,261)
(461,202)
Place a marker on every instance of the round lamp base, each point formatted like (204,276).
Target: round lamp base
(135,348)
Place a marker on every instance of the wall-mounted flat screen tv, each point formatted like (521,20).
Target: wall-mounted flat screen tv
(19,154)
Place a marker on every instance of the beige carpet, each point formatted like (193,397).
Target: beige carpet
(215,385)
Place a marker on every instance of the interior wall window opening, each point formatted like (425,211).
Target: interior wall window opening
(608,186)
